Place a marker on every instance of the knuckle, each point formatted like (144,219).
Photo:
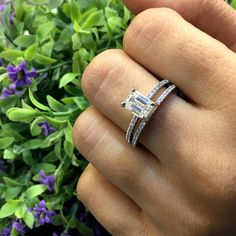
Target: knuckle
(99,70)
(151,24)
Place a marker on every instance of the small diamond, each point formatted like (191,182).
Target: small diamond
(138,104)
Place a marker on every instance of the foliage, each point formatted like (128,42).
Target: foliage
(40,101)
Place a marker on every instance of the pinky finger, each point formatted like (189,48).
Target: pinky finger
(112,208)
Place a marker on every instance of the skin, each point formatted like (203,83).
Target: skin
(180,180)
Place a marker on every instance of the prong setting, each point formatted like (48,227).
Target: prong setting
(138,104)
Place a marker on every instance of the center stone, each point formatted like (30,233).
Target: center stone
(138,104)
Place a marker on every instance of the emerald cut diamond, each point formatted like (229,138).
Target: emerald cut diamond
(138,104)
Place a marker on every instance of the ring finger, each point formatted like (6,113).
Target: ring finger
(106,82)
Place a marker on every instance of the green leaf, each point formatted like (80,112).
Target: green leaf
(75,10)
(47,167)
(11,55)
(12,192)
(68,133)
(35,190)
(69,148)
(233,4)
(32,144)
(54,3)
(27,157)
(6,142)
(44,60)
(67,78)
(31,51)
(3,76)
(25,40)
(11,182)
(9,208)
(8,154)
(36,103)
(21,114)
(94,19)
(29,219)
(55,105)
(43,32)
(35,130)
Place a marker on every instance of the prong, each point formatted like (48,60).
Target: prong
(123,104)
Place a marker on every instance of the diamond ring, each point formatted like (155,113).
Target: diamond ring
(143,108)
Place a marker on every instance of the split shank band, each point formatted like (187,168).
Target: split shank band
(143,108)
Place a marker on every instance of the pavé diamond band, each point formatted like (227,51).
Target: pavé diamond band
(143,108)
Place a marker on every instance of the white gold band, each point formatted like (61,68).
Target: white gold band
(135,118)
(143,108)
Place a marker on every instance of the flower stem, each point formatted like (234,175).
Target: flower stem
(54,67)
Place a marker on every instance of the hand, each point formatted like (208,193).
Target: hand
(181,179)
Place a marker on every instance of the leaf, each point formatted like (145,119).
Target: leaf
(233,4)
(47,167)
(35,130)
(25,40)
(69,148)
(32,144)
(11,55)
(27,157)
(68,133)
(11,182)
(35,191)
(44,60)
(3,76)
(8,154)
(9,208)
(75,10)
(67,78)
(44,31)
(55,105)
(12,192)
(94,19)
(29,219)
(21,114)
(6,142)
(31,51)
(36,103)
(54,3)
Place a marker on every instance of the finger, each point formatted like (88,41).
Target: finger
(135,171)
(215,17)
(170,47)
(112,208)
(109,79)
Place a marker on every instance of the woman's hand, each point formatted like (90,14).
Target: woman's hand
(181,179)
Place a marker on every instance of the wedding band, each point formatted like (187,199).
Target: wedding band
(143,108)
(135,118)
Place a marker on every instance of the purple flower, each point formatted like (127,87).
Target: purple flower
(42,214)
(7,92)
(2,166)
(46,128)
(18,226)
(3,6)
(49,181)
(1,60)
(20,76)
(65,234)
(6,231)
